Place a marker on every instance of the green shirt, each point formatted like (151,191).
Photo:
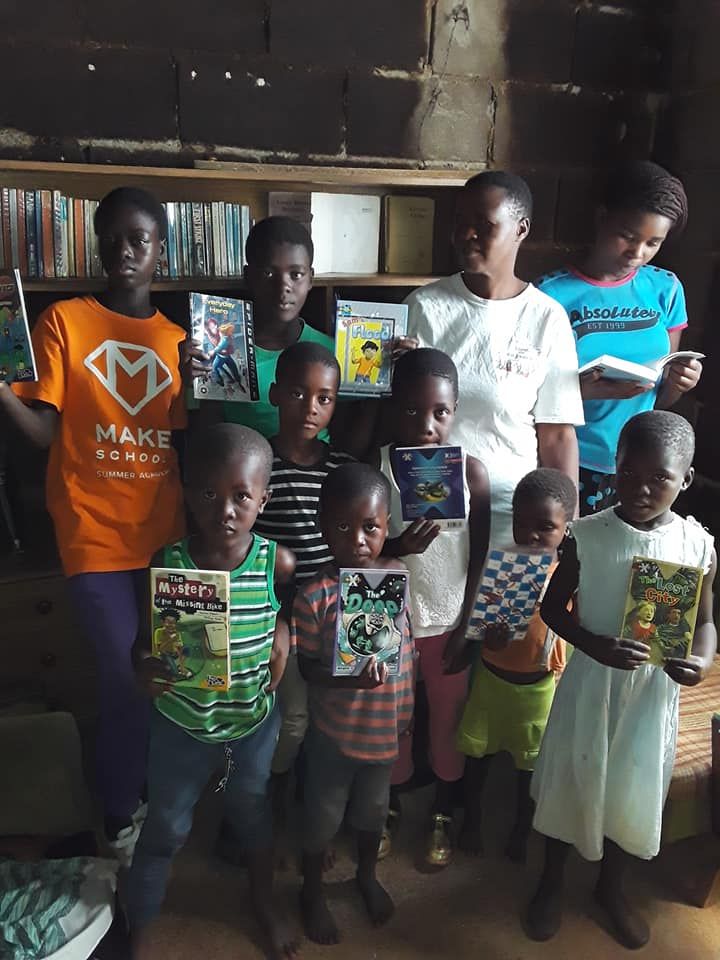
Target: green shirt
(262,415)
(216,716)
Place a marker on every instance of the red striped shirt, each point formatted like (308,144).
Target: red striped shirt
(363,724)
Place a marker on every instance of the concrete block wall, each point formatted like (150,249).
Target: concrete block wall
(552,88)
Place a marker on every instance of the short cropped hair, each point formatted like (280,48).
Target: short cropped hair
(547,482)
(130,197)
(660,430)
(352,481)
(270,233)
(221,443)
(648,187)
(517,190)
(302,354)
(423,362)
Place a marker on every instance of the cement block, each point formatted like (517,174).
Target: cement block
(620,52)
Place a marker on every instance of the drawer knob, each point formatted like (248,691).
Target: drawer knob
(43,607)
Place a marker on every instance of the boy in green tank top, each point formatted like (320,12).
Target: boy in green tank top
(196,733)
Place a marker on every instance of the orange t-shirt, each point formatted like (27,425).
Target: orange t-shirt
(539,649)
(113,486)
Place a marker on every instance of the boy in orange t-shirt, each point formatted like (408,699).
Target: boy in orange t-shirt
(107,400)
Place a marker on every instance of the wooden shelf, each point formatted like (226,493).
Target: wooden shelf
(200,284)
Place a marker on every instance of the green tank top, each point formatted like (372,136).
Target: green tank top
(215,716)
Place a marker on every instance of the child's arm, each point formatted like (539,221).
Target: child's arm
(280,653)
(694,669)
(149,670)
(455,654)
(284,584)
(37,423)
(615,652)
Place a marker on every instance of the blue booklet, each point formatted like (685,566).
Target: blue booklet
(510,590)
(431,484)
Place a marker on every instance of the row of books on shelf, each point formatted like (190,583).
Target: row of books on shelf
(48,235)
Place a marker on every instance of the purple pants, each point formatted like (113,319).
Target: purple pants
(106,607)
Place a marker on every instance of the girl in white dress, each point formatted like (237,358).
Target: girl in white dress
(605,764)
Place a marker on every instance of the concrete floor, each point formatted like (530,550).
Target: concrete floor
(468,911)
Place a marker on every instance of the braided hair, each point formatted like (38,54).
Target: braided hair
(648,187)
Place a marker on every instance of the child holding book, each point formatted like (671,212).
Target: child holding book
(355,722)
(619,305)
(108,398)
(606,761)
(279,254)
(304,392)
(514,681)
(195,732)
(444,567)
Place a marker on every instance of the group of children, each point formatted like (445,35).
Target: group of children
(270,501)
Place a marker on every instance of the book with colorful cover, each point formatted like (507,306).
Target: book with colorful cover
(371,608)
(661,607)
(224,328)
(510,589)
(17,360)
(190,626)
(432,484)
(364,333)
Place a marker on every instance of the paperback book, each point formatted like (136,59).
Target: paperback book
(615,368)
(224,328)
(509,592)
(431,484)
(190,617)
(371,607)
(17,360)
(364,334)
(661,607)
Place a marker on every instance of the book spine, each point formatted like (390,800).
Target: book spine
(48,233)
(38,234)
(79,237)
(217,248)
(31,233)
(250,349)
(245,216)
(237,264)
(7,244)
(70,206)
(185,215)
(171,252)
(22,233)
(198,239)
(223,239)
(232,272)
(207,233)
(14,248)
(386,251)
(60,233)
(96,267)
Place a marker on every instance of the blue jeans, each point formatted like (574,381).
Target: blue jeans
(178,771)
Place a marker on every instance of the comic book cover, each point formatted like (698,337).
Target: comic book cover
(510,589)
(190,619)
(363,345)
(371,606)
(431,484)
(17,360)
(224,327)
(661,607)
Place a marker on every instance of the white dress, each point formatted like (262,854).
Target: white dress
(517,366)
(606,760)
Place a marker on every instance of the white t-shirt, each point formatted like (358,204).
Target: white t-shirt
(517,366)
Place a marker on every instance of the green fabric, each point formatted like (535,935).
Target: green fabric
(34,897)
(501,716)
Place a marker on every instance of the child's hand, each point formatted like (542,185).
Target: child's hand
(618,652)
(150,672)
(497,636)
(401,345)
(417,537)
(373,675)
(688,672)
(456,655)
(194,362)
(684,375)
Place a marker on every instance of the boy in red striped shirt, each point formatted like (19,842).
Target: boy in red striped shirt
(354,721)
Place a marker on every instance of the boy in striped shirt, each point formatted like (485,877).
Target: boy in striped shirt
(354,721)
(196,732)
(307,378)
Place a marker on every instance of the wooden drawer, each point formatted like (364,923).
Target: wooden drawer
(41,647)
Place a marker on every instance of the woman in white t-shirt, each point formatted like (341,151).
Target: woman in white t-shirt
(512,345)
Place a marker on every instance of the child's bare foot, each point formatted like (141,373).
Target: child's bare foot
(320,926)
(631,929)
(378,902)
(284,945)
(470,838)
(544,913)
(328,859)
(516,849)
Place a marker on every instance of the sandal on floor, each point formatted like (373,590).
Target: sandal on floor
(441,844)
(388,832)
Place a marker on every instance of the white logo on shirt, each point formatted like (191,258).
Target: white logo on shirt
(133,360)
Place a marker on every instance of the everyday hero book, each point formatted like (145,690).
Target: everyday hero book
(224,328)
(661,607)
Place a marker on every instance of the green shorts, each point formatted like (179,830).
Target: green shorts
(501,716)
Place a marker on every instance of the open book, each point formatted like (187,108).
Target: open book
(614,368)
